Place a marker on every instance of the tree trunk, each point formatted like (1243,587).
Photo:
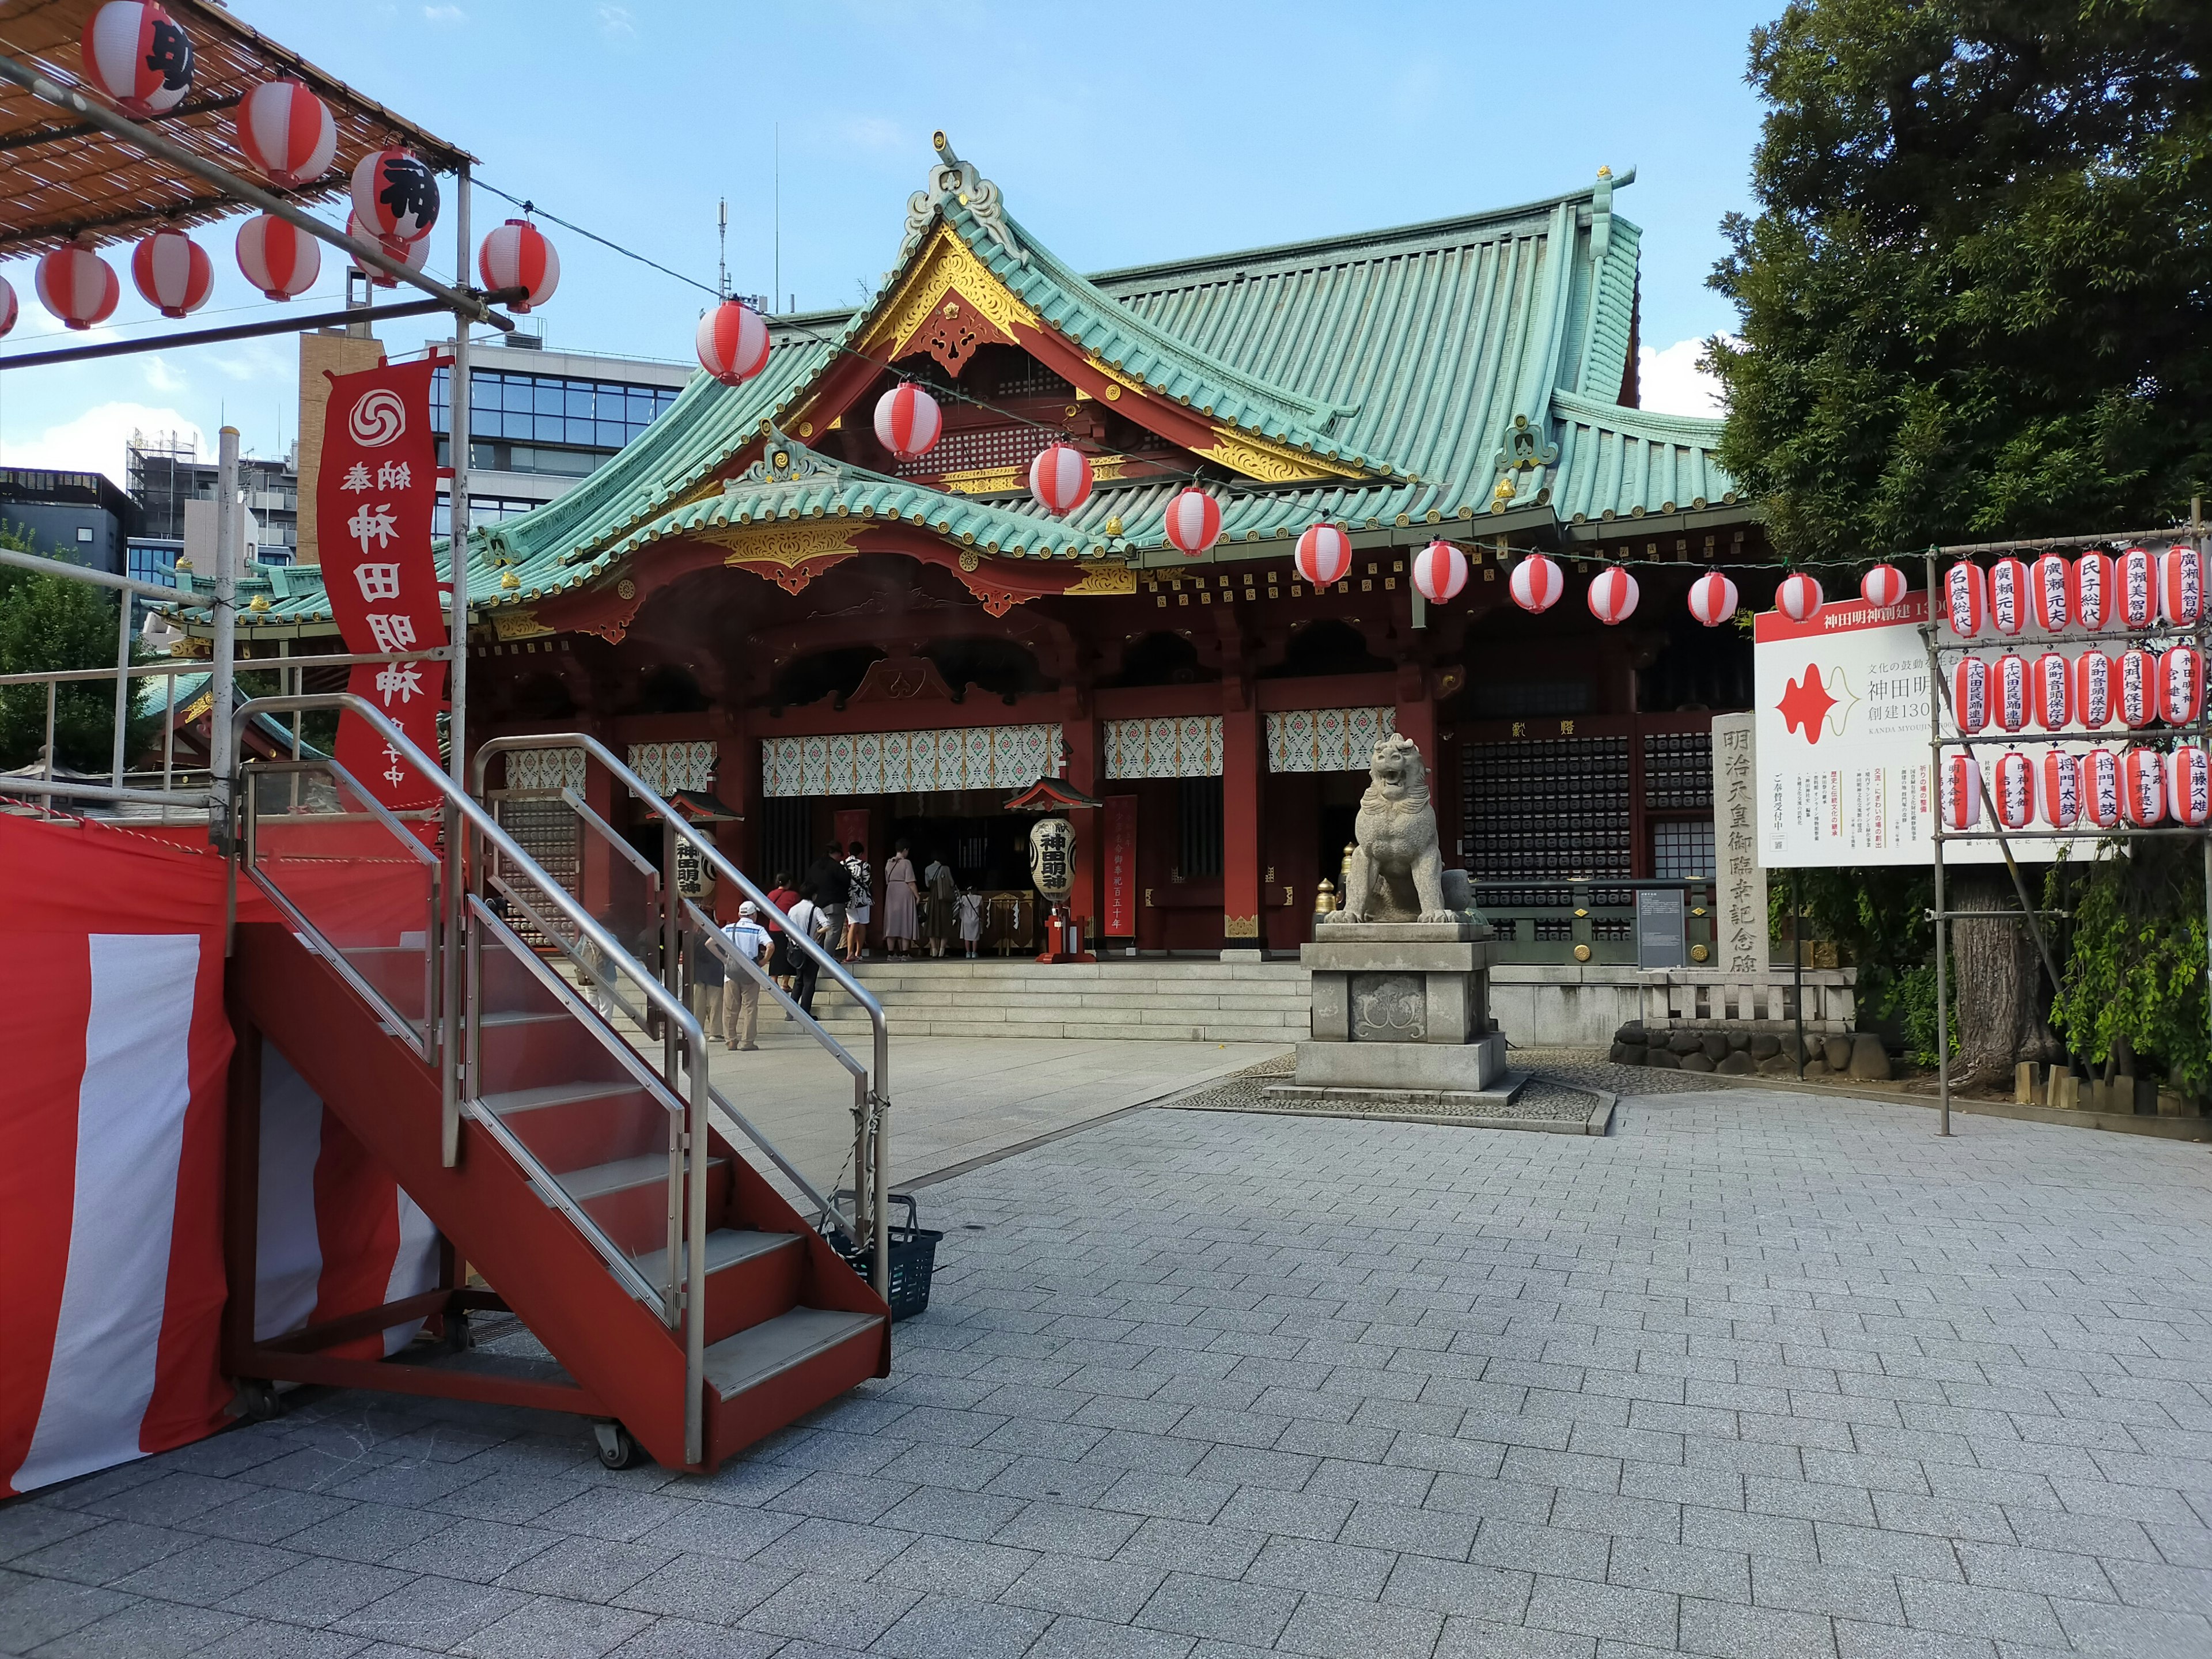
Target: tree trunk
(1998,975)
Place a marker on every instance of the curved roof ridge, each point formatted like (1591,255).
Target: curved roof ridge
(1703,431)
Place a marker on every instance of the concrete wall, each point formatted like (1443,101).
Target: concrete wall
(53,528)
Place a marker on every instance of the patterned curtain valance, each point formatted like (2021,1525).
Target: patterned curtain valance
(1325,739)
(1172,746)
(665,767)
(549,769)
(909,763)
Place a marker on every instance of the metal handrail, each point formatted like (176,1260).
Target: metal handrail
(690,1150)
(879,1092)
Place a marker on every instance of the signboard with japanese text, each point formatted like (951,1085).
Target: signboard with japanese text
(1119,831)
(375,493)
(1739,924)
(1660,940)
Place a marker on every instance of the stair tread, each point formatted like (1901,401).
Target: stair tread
(597,1180)
(526,1016)
(558,1094)
(726,1247)
(752,1355)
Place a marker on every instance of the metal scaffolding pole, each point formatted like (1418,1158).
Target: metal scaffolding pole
(457,543)
(229,527)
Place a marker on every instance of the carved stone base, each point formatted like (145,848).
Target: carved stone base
(1456,1067)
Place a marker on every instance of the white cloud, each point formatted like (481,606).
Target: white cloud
(444,15)
(1671,382)
(95,440)
(162,377)
(617,23)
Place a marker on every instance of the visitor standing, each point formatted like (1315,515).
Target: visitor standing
(741,990)
(808,920)
(706,980)
(901,904)
(971,919)
(782,895)
(943,898)
(831,879)
(860,903)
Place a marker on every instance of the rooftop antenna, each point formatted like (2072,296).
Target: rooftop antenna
(722,261)
(776,287)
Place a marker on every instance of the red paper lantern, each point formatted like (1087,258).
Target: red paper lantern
(1712,599)
(2101,788)
(76,284)
(2092,590)
(2136,579)
(732,343)
(1613,596)
(1059,478)
(171,272)
(2011,695)
(1536,583)
(2143,786)
(136,53)
(9,308)
(1324,554)
(518,255)
(2181,685)
(2012,782)
(2050,592)
(2007,590)
(1798,598)
(277,256)
(1966,597)
(1439,572)
(2061,792)
(2051,682)
(1970,695)
(1962,790)
(1192,521)
(395,194)
(1883,587)
(908,421)
(2134,693)
(286,132)
(2181,586)
(413,255)
(2092,690)
(2188,786)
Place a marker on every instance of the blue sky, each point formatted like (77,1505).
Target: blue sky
(1118,134)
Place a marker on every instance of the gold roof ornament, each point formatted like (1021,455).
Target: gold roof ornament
(1502,497)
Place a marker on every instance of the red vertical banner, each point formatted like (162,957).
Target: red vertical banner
(375,497)
(1118,856)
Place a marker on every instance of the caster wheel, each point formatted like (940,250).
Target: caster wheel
(616,1449)
(259,1401)
(459,1338)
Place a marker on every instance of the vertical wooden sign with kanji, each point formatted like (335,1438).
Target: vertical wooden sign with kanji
(375,497)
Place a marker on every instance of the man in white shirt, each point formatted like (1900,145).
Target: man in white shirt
(741,990)
(808,920)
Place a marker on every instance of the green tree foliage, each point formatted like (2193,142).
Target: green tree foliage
(51,623)
(2134,995)
(1977,298)
(1878,918)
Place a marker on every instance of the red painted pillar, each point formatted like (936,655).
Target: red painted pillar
(1078,729)
(595,867)
(738,786)
(1417,714)
(1240,770)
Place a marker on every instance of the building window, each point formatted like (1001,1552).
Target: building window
(84,534)
(1198,827)
(1682,850)
(550,409)
(483,510)
(154,564)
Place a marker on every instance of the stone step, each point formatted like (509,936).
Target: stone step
(1281,1002)
(1154,1031)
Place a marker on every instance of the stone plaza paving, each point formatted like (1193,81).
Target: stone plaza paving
(1756,1375)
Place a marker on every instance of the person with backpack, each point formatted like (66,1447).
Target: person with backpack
(808,920)
(831,881)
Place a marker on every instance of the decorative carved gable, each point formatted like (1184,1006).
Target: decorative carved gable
(901,679)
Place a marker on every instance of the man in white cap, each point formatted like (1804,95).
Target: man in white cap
(741,990)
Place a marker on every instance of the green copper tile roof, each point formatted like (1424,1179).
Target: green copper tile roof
(1617,463)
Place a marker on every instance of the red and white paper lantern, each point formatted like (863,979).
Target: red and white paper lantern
(2012,694)
(2188,786)
(76,284)
(2135,584)
(1613,596)
(2012,782)
(1194,522)
(1970,695)
(2092,590)
(1882,587)
(2061,792)
(1439,572)
(1966,599)
(2135,688)
(2050,592)
(277,256)
(286,132)
(1962,790)
(136,53)
(732,343)
(395,194)
(1536,583)
(2092,690)
(517,254)
(908,421)
(2051,682)
(2008,591)
(2101,789)
(9,309)
(1798,598)
(2181,586)
(2143,786)
(173,273)
(413,255)
(1059,478)
(1712,599)
(1324,554)
(2181,685)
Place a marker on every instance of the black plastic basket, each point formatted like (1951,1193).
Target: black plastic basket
(914,1259)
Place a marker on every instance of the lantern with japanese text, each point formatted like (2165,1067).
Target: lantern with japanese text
(1324,555)
(1962,790)
(2101,788)
(277,256)
(2050,685)
(2181,585)
(2143,786)
(2135,579)
(908,421)
(1439,572)
(2010,694)
(1060,479)
(171,272)
(136,53)
(2092,590)
(2180,685)
(2135,688)
(1536,583)
(286,132)
(518,255)
(2092,690)
(2061,791)
(2188,786)
(2007,600)
(1613,596)
(1970,695)
(1966,597)
(1882,587)
(2012,782)
(1798,598)
(1712,599)
(395,194)
(76,285)
(1192,521)
(9,309)
(732,343)
(2050,592)
(413,255)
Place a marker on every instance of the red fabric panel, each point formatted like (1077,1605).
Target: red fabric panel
(357,1221)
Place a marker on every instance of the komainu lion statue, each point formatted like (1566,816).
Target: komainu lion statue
(1398,870)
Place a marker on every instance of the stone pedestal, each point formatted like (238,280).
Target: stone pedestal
(1404,1008)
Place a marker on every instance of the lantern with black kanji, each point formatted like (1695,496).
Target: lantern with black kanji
(2092,590)
(2101,789)
(2136,578)
(1966,599)
(2143,786)
(2188,786)
(2051,591)
(395,194)
(2008,591)
(2092,690)
(2181,586)
(137,55)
